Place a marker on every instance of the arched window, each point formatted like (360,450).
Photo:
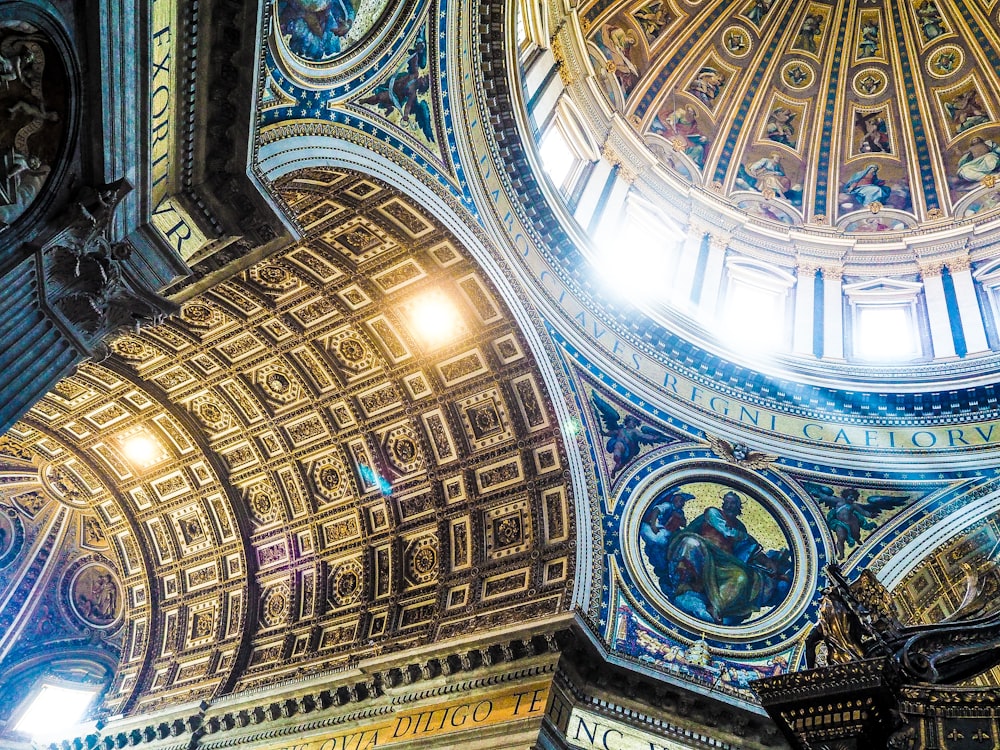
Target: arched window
(884,320)
(755,308)
(566,147)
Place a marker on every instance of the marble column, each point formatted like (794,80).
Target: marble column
(942,339)
(803,332)
(968,305)
(833,313)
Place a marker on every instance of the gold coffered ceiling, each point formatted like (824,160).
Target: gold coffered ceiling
(324,479)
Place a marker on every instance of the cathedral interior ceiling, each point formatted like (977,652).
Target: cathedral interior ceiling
(325,481)
(867,117)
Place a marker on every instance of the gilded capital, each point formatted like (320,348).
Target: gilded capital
(931,268)
(806,269)
(959,264)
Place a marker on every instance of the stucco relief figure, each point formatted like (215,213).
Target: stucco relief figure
(625,437)
(849,515)
(966,110)
(713,568)
(96,596)
(30,121)
(21,180)
(979,161)
(680,126)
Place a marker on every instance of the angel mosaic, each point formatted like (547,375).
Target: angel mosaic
(625,436)
(316,29)
(757,10)
(869,44)
(930,20)
(680,127)
(874,133)
(653,18)
(809,33)
(849,515)
(780,126)
(405,93)
(966,110)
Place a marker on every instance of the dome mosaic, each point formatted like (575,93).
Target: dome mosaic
(863,117)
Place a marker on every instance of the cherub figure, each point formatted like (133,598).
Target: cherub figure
(625,437)
(849,515)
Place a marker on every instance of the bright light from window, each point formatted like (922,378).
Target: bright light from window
(557,156)
(141,449)
(54,712)
(884,332)
(434,319)
(754,318)
(634,260)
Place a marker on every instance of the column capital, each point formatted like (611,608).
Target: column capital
(718,242)
(959,263)
(806,269)
(612,157)
(831,273)
(931,268)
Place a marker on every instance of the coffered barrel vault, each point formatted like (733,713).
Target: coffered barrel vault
(409,447)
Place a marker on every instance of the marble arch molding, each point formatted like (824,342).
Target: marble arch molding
(324,483)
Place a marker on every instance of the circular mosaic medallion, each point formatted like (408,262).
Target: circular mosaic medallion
(319,32)
(797,74)
(718,554)
(95,595)
(945,61)
(737,41)
(11,536)
(869,82)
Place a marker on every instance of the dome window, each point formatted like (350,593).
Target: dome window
(884,324)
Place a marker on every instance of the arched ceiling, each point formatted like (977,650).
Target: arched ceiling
(329,480)
(867,117)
